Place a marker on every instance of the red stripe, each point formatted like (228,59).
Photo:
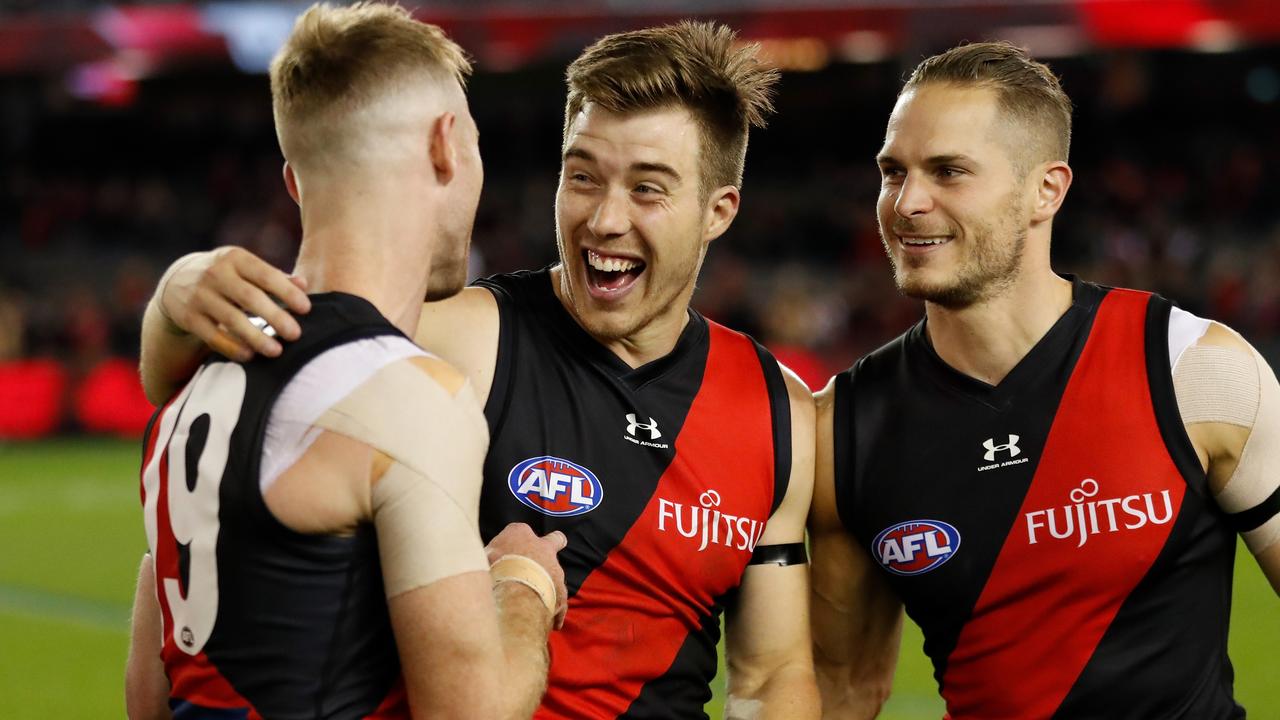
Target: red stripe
(1047,605)
(632,614)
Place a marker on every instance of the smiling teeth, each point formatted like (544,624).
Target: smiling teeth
(923,241)
(610,264)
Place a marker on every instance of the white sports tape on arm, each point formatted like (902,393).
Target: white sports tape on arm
(426,505)
(1217,384)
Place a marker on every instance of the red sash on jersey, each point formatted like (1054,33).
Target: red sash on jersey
(1047,605)
(633,613)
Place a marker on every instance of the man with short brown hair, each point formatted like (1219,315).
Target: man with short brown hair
(1048,474)
(675,454)
(311,558)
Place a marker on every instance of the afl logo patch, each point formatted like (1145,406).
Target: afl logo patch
(915,547)
(555,486)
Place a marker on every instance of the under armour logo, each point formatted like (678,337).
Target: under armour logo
(652,427)
(993,448)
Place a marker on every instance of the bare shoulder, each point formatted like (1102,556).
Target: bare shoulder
(801,400)
(474,307)
(464,331)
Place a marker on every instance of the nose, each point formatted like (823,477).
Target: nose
(611,216)
(913,197)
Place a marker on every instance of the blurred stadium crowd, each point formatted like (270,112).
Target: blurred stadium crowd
(1173,192)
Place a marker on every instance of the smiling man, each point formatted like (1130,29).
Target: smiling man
(675,454)
(1049,474)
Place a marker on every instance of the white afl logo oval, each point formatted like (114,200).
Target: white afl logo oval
(555,486)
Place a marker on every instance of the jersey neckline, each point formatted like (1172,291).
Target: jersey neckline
(691,337)
(1043,358)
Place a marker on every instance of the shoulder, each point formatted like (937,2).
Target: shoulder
(801,400)
(474,304)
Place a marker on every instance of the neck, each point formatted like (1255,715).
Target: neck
(987,339)
(655,339)
(364,243)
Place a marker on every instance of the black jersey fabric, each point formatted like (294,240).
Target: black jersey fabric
(662,477)
(1053,534)
(261,621)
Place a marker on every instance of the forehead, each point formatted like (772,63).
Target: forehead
(667,135)
(938,119)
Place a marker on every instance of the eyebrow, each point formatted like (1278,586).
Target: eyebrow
(933,160)
(656,167)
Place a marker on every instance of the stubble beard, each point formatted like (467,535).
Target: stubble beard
(990,268)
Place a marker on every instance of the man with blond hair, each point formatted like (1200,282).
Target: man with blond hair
(1048,474)
(309,556)
(675,454)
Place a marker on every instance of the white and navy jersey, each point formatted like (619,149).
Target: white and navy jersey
(662,477)
(1053,535)
(260,621)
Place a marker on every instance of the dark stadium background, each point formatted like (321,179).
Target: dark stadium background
(130,135)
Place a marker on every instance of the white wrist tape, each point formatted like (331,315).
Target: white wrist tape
(527,572)
(1216,384)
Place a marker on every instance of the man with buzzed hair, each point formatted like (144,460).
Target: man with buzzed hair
(312,558)
(674,453)
(1048,474)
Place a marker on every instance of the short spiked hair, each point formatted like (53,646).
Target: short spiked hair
(695,65)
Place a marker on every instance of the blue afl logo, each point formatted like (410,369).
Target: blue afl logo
(916,546)
(555,486)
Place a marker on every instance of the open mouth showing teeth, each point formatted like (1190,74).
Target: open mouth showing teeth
(611,274)
(922,242)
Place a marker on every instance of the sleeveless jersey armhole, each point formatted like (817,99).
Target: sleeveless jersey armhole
(1163,399)
(780,409)
(496,405)
(843,445)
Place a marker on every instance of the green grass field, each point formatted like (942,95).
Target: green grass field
(71,536)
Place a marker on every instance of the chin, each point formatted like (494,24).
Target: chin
(442,286)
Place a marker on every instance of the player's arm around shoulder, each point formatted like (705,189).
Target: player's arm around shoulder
(767,645)
(464,331)
(857,620)
(1230,404)
(404,451)
(202,302)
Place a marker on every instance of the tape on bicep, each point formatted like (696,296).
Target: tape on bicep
(426,506)
(424,535)
(1227,385)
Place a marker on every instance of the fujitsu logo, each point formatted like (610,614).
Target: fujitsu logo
(714,527)
(1085,517)
(993,448)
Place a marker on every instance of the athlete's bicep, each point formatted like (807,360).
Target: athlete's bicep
(404,449)
(857,620)
(463,330)
(786,525)
(1230,403)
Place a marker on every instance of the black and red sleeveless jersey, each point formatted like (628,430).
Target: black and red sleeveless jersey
(261,621)
(661,476)
(1052,535)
